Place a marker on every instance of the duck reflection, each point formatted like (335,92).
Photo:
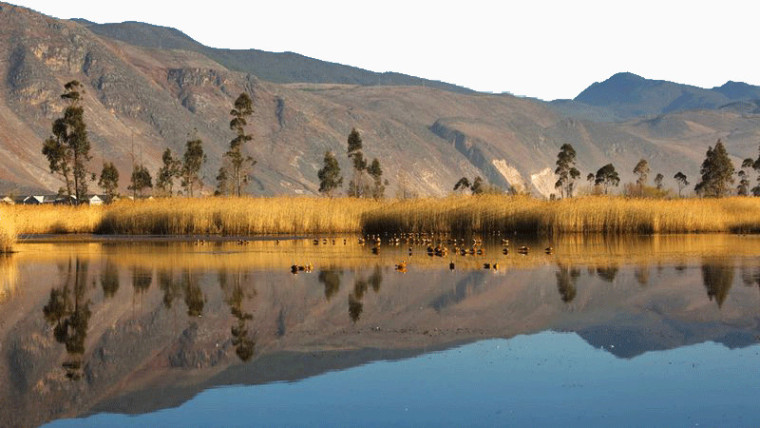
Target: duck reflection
(68,309)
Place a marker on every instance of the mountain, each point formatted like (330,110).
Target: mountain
(149,88)
(626,95)
(285,67)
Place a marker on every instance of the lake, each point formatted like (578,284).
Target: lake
(616,331)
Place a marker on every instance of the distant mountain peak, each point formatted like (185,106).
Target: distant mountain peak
(625,75)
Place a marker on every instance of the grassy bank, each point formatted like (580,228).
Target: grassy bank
(462,214)
(7,230)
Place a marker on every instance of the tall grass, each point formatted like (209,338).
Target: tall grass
(592,214)
(7,230)
(456,214)
(236,216)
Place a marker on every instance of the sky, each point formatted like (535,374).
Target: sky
(538,48)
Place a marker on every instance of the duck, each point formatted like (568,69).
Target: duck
(523,250)
(452,266)
(495,266)
(549,250)
(401,267)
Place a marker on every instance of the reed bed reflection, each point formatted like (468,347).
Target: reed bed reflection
(346,252)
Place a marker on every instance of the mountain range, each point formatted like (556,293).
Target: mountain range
(148,88)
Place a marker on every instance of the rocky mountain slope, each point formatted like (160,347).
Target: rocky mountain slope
(149,88)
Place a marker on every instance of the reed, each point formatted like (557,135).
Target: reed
(592,214)
(457,214)
(236,216)
(7,230)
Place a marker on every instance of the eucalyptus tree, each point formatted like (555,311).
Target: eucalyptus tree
(566,170)
(68,148)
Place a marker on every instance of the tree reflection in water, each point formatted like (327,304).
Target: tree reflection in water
(194,297)
(109,279)
(142,278)
(69,310)
(567,278)
(607,273)
(641,272)
(331,280)
(361,286)
(242,340)
(717,276)
(170,288)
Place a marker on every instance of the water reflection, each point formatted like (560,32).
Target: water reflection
(226,313)
(331,279)
(109,279)
(717,276)
(567,278)
(232,285)
(68,309)
(193,294)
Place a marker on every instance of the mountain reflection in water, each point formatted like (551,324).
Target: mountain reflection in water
(76,341)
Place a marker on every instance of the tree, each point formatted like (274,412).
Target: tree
(743,188)
(140,181)
(109,179)
(170,170)
(68,149)
(356,187)
(192,161)
(642,170)
(237,166)
(477,186)
(717,173)
(681,181)
(756,167)
(658,180)
(376,172)
(463,184)
(607,176)
(329,176)
(566,170)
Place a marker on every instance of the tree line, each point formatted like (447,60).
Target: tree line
(67,150)
(716,176)
(68,153)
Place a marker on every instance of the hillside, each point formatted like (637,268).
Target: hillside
(284,67)
(626,95)
(162,87)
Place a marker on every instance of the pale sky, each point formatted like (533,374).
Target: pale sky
(539,48)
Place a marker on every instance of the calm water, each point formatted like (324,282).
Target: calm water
(602,332)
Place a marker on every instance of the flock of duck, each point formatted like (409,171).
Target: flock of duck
(436,246)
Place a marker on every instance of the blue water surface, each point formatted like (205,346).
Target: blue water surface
(546,379)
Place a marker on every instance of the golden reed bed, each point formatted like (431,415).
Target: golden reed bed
(456,214)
